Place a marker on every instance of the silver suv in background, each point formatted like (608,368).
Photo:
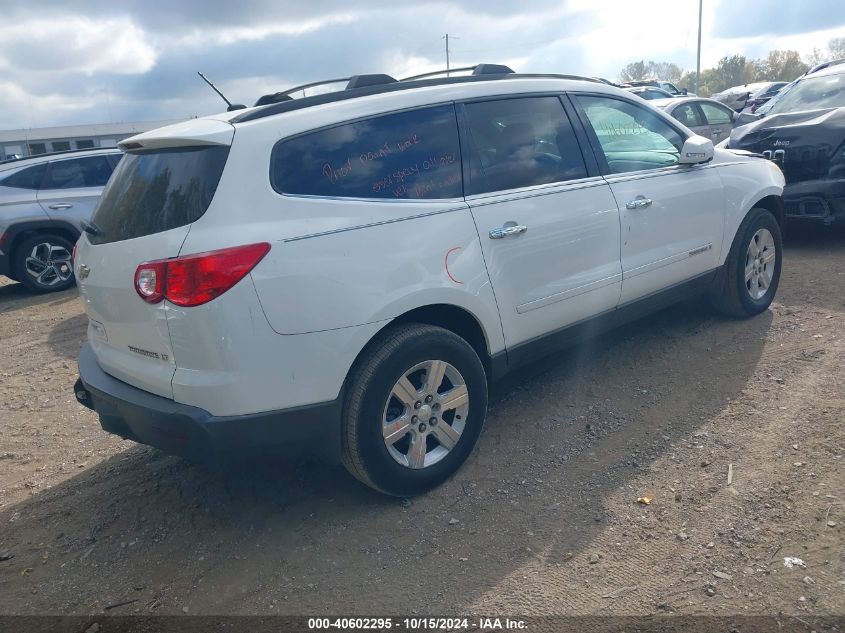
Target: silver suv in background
(44,201)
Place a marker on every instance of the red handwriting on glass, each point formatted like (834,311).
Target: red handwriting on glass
(412,140)
(381,152)
(420,190)
(335,174)
(433,162)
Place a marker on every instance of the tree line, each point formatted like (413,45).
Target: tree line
(735,70)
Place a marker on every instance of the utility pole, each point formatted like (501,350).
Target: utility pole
(447,53)
(698,55)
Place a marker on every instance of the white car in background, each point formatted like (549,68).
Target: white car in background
(705,117)
(347,272)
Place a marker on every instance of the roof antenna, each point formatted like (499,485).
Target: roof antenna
(229,105)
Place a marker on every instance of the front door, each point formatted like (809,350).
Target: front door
(672,215)
(549,231)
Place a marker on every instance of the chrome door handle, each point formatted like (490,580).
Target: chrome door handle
(60,205)
(504,231)
(638,203)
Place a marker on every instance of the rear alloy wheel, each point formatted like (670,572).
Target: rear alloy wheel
(425,414)
(414,409)
(44,263)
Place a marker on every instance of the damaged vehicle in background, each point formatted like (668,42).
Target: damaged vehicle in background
(803,132)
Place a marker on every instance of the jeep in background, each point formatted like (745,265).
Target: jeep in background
(803,132)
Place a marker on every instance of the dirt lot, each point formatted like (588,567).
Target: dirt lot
(543,519)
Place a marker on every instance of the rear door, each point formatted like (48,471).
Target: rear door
(672,215)
(145,214)
(549,227)
(719,120)
(691,117)
(72,186)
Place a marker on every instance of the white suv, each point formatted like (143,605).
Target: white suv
(349,271)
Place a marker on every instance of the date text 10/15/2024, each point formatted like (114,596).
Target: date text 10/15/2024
(417,624)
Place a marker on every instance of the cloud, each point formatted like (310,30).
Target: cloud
(75,43)
(106,60)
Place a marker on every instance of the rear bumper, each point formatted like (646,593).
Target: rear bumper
(816,200)
(186,430)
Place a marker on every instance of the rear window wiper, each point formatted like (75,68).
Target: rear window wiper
(91,228)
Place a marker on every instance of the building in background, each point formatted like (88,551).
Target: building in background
(31,142)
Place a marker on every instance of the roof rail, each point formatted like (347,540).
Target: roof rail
(478,69)
(362,81)
(285,95)
(286,104)
(355,81)
(61,153)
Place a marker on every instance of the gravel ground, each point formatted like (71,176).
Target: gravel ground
(543,519)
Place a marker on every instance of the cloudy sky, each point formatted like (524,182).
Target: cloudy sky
(72,61)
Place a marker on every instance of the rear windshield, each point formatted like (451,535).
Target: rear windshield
(156,191)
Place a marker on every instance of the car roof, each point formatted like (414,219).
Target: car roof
(665,104)
(15,163)
(835,69)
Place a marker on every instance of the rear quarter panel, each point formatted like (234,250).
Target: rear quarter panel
(337,263)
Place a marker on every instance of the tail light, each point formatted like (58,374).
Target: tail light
(73,255)
(193,280)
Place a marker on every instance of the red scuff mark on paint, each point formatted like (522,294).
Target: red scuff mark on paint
(446,263)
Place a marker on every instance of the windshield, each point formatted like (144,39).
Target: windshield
(812,93)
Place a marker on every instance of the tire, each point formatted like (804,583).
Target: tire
(736,295)
(412,354)
(43,263)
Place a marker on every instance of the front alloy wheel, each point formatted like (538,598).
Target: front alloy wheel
(760,261)
(749,279)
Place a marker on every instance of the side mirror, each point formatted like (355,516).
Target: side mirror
(684,91)
(734,116)
(696,149)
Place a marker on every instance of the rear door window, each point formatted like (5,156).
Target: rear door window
(29,178)
(407,155)
(716,115)
(520,143)
(75,173)
(157,191)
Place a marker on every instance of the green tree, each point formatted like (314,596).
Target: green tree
(836,48)
(635,71)
(667,71)
(784,66)
(816,57)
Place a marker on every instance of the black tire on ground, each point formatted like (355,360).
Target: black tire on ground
(732,296)
(57,245)
(393,353)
